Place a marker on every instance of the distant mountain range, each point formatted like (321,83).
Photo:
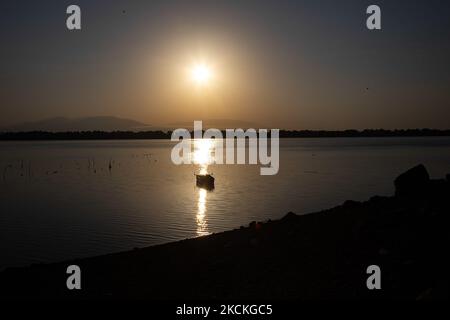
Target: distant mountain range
(217,124)
(61,124)
(108,124)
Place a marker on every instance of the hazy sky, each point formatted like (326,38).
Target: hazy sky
(281,64)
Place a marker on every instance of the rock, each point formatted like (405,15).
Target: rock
(438,189)
(228,244)
(351,203)
(254,242)
(255,225)
(412,182)
(289,215)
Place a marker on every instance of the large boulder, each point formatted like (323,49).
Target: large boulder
(413,182)
(439,189)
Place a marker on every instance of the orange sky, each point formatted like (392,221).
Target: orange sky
(287,64)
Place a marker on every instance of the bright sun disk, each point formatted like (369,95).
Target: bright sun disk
(201,74)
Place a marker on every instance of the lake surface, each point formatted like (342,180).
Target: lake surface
(60,200)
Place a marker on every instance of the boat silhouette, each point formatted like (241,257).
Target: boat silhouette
(205,181)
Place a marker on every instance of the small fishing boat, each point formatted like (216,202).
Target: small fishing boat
(205,181)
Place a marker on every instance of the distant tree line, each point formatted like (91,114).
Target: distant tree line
(85,135)
(131,135)
(365,133)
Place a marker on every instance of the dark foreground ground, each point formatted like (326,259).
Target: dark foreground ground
(321,255)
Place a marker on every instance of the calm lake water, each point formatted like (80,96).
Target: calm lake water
(60,200)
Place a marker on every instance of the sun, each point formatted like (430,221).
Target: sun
(201,74)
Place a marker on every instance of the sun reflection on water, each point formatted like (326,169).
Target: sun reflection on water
(202,157)
(202,225)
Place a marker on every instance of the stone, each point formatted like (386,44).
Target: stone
(412,182)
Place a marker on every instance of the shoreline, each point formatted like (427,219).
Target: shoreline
(321,255)
(166,135)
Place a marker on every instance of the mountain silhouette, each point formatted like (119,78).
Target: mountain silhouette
(61,124)
(217,124)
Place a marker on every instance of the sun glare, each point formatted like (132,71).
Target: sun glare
(201,74)
(203,154)
(203,151)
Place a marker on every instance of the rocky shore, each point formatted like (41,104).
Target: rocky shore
(322,255)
